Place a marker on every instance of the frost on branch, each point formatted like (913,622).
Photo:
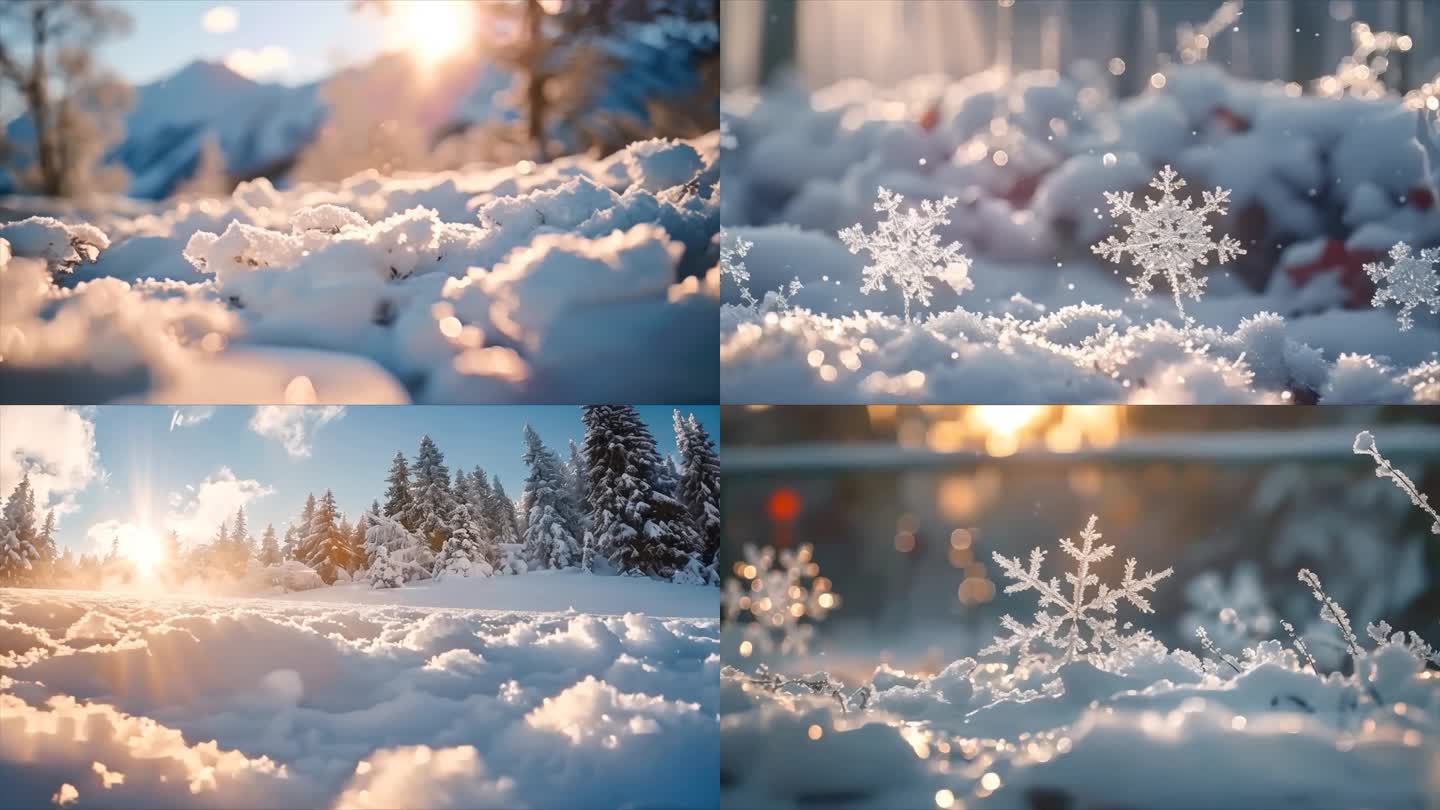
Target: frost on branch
(1382,633)
(732,264)
(1076,610)
(1410,281)
(1365,446)
(906,248)
(1168,236)
(1330,610)
(779,590)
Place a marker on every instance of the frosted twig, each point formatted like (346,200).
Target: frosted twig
(1330,611)
(1299,645)
(1365,446)
(1210,647)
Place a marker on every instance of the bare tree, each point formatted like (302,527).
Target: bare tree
(75,107)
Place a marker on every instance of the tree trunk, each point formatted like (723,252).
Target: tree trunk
(38,96)
(535,82)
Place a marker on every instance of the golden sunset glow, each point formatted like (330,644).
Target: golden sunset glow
(432,31)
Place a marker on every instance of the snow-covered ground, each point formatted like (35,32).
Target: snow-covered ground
(129,700)
(548,591)
(1319,187)
(577,280)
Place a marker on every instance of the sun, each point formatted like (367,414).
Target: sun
(432,31)
(143,547)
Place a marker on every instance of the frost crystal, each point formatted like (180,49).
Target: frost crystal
(1076,609)
(1410,282)
(779,590)
(1168,236)
(906,248)
(1365,446)
(732,264)
(1330,610)
(1383,633)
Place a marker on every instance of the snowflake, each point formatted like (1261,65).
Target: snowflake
(732,264)
(1410,282)
(1076,609)
(906,248)
(1168,236)
(1365,446)
(779,590)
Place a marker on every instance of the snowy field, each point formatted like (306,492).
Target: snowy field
(577,280)
(995,242)
(124,700)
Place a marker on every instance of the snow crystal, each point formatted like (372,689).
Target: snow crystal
(1410,281)
(906,249)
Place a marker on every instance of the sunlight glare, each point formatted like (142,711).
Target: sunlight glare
(434,30)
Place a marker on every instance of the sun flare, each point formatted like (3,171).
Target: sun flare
(432,31)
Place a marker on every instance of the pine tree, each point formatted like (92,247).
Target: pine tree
(549,542)
(480,497)
(18,538)
(397,554)
(431,498)
(327,548)
(667,478)
(269,549)
(640,529)
(461,555)
(48,552)
(397,496)
(240,536)
(579,473)
(699,481)
(357,539)
(502,512)
(287,551)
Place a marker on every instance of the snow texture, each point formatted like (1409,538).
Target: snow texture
(1312,189)
(253,703)
(550,283)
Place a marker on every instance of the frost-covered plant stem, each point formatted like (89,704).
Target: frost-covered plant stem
(1331,612)
(1365,446)
(1300,648)
(819,683)
(1210,647)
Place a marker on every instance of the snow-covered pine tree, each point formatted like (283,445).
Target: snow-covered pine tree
(46,546)
(578,472)
(699,481)
(18,552)
(432,500)
(502,511)
(327,549)
(461,555)
(397,495)
(287,550)
(640,529)
(240,535)
(357,539)
(587,553)
(667,477)
(480,497)
(397,554)
(269,549)
(548,539)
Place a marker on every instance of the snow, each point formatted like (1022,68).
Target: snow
(210,702)
(1308,191)
(555,591)
(555,282)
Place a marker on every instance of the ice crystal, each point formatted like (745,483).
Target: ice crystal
(1076,609)
(905,248)
(1365,446)
(1168,236)
(732,263)
(1410,281)
(1383,633)
(779,590)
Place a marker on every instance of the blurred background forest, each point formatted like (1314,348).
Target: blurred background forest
(825,41)
(905,505)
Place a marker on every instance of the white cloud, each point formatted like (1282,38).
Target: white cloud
(293,425)
(259,63)
(221,19)
(193,415)
(55,445)
(215,499)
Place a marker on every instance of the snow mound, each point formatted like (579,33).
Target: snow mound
(531,283)
(255,703)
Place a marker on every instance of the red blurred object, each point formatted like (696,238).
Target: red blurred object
(930,118)
(783,505)
(1420,197)
(1022,190)
(1345,261)
(1230,120)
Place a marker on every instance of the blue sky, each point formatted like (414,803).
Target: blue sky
(315,36)
(145,465)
